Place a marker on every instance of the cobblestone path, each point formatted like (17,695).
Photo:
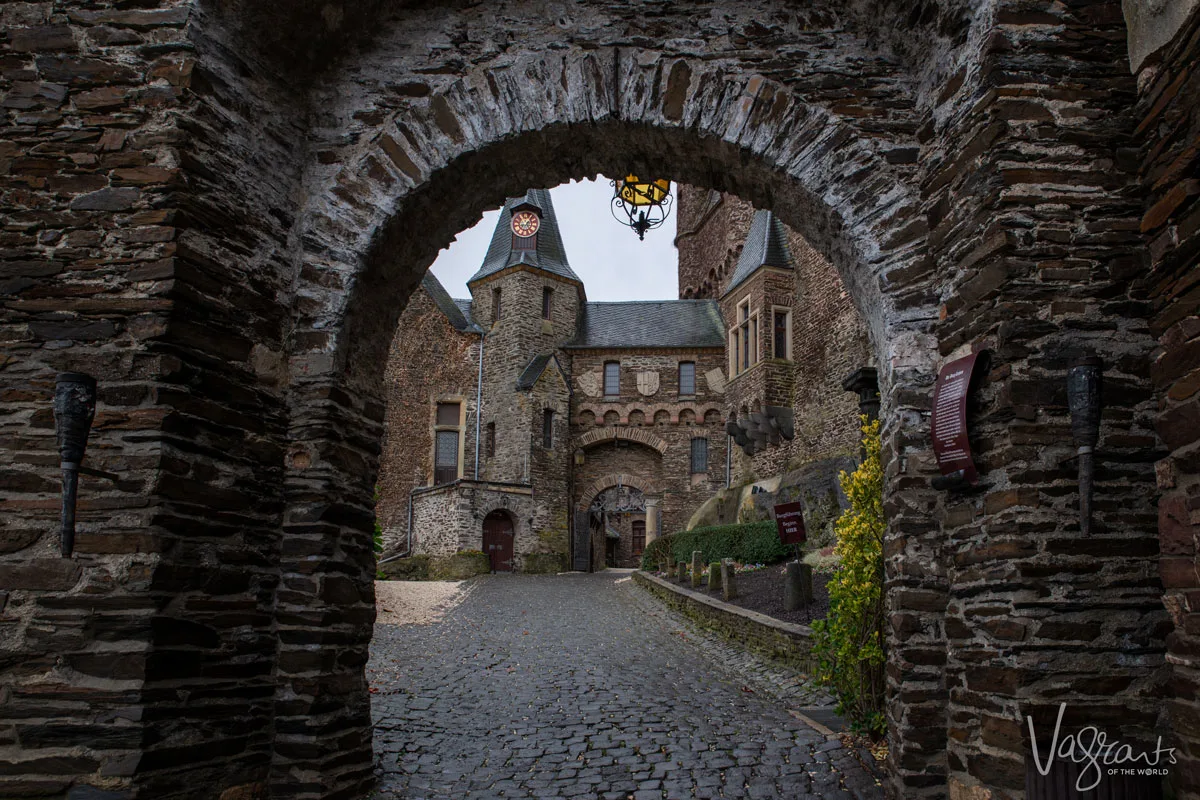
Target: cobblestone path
(584,686)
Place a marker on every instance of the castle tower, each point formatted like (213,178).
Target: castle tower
(527,299)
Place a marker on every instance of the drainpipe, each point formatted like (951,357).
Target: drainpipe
(408,546)
(479,402)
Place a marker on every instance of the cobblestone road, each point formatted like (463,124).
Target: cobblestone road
(584,686)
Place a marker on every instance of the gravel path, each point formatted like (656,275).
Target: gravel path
(416,602)
(583,686)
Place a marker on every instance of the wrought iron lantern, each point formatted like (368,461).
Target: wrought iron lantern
(642,205)
(74,409)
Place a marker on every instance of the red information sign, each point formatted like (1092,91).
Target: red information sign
(789,518)
(949,424)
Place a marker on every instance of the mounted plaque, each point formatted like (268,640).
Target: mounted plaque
(789,518)
(949,426)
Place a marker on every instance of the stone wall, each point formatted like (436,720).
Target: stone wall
(829,338)
(429,361)
(607,428)
(784,642)
(710,230)
(1167,131)
(512,342)
(550,468)
(449,519)
(1015,611)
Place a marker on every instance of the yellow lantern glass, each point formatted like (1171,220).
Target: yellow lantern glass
(643,205)
(644,193)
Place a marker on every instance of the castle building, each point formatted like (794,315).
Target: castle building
(554,433)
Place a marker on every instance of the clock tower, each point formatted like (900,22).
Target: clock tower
(528,302)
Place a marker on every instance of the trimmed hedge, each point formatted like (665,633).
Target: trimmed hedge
(752,543)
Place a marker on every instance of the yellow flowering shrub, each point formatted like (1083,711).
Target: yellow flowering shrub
(849,642)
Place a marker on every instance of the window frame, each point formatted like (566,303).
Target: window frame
(548,428)
(787,312)
(547,303)
(490,446)
(497,304)
(441,428)
(634,537)
(683,364)
(617,365)
(743,339)
(692,455)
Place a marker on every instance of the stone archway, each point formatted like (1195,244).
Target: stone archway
(818,172)
(965,170)
(602,435)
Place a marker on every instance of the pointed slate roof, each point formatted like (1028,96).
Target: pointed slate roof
(651,323)
(534,370)
(459,317)
(550,254)
(766,246)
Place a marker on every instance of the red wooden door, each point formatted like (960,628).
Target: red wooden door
(498,540)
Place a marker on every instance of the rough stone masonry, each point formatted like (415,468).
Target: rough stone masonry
(220,208)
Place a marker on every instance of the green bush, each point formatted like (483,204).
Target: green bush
(849,643)
(751,543)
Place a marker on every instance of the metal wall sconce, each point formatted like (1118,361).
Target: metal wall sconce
(864,381)
(74,409)
(1083,398)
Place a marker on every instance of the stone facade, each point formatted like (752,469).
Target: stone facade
(545,352)
(828,338)
(443,369)
(1168,129)
(221,211)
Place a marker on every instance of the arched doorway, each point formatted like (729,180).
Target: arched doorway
(498,540)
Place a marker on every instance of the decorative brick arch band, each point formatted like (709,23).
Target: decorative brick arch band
(597,486)
(625,410)
(639,435)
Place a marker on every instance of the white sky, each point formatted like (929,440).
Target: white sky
(606,255)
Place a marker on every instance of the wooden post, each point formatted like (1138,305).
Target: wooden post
(697,567)
(714,576)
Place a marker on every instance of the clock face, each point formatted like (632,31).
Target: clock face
(525,223)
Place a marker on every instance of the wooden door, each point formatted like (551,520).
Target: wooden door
(582,551)
(498,540)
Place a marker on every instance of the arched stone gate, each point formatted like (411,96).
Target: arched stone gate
(233,246)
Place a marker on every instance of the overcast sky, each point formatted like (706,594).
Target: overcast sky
(606,255)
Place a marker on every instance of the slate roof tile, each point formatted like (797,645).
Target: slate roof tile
(766,246)
(651,323)
(550,255)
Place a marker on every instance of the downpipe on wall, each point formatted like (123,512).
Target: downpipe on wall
(478,415)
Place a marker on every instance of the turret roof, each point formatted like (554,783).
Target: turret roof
(766,246)
(550,254)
